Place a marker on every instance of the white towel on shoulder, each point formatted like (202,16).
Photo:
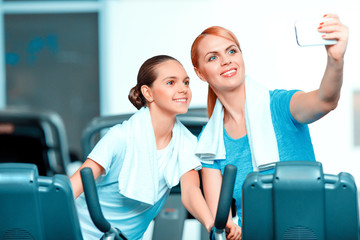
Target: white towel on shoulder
(261,134)
(138,178)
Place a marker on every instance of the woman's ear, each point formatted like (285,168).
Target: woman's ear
(146,92)
(199,74)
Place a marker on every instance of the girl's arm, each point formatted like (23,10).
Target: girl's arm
(211,181)
(76,178)
(193,200)
(311,106)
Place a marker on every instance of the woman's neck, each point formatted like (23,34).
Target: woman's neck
(234,112)
(163,125)
(233,102)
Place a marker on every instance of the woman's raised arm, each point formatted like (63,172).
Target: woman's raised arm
(311,106)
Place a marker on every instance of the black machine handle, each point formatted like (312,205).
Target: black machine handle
(92,201)
(225,199)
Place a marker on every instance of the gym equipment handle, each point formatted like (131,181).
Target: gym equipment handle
(226,196)
(92,200)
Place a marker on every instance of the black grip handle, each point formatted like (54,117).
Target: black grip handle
(226,196)
(92,200)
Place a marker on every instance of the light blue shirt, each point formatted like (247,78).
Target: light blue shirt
(293,138)
(130,216)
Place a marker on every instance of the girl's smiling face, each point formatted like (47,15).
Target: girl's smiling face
(170,92)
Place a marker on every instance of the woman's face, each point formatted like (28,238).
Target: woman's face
(170,91)
(220,63)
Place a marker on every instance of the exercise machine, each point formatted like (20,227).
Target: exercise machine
(110,233)
(34,136)
(43,207)
(224,205)
(36,207)
(299,201)
(30,203)
(92,201)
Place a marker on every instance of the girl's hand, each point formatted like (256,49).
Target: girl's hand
(334,29)
(234,231)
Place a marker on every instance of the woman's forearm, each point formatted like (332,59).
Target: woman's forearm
(195,203)
(330,87)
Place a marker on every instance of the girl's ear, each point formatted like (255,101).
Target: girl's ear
(199,74)
(146,92)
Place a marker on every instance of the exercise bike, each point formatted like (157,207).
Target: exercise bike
(110,233)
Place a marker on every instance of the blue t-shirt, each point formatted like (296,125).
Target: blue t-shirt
(293,139)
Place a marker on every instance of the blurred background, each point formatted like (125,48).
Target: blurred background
(81,58)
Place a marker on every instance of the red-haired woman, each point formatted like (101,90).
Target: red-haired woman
(250,126)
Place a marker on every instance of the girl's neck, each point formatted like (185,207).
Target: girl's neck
(163,125)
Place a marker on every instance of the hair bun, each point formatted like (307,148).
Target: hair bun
(135,97)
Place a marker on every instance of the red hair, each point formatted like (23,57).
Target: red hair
(216,31)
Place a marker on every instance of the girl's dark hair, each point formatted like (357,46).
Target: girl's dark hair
(146,76)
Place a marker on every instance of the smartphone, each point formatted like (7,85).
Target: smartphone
(307,34)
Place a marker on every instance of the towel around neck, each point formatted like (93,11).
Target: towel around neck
(260,130)
(138,178)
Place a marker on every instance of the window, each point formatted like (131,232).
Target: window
(52,63)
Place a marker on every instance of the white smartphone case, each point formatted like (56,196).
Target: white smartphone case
(307,33)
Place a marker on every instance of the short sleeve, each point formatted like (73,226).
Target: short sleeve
(215,165)
(110,149)
(280,104)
